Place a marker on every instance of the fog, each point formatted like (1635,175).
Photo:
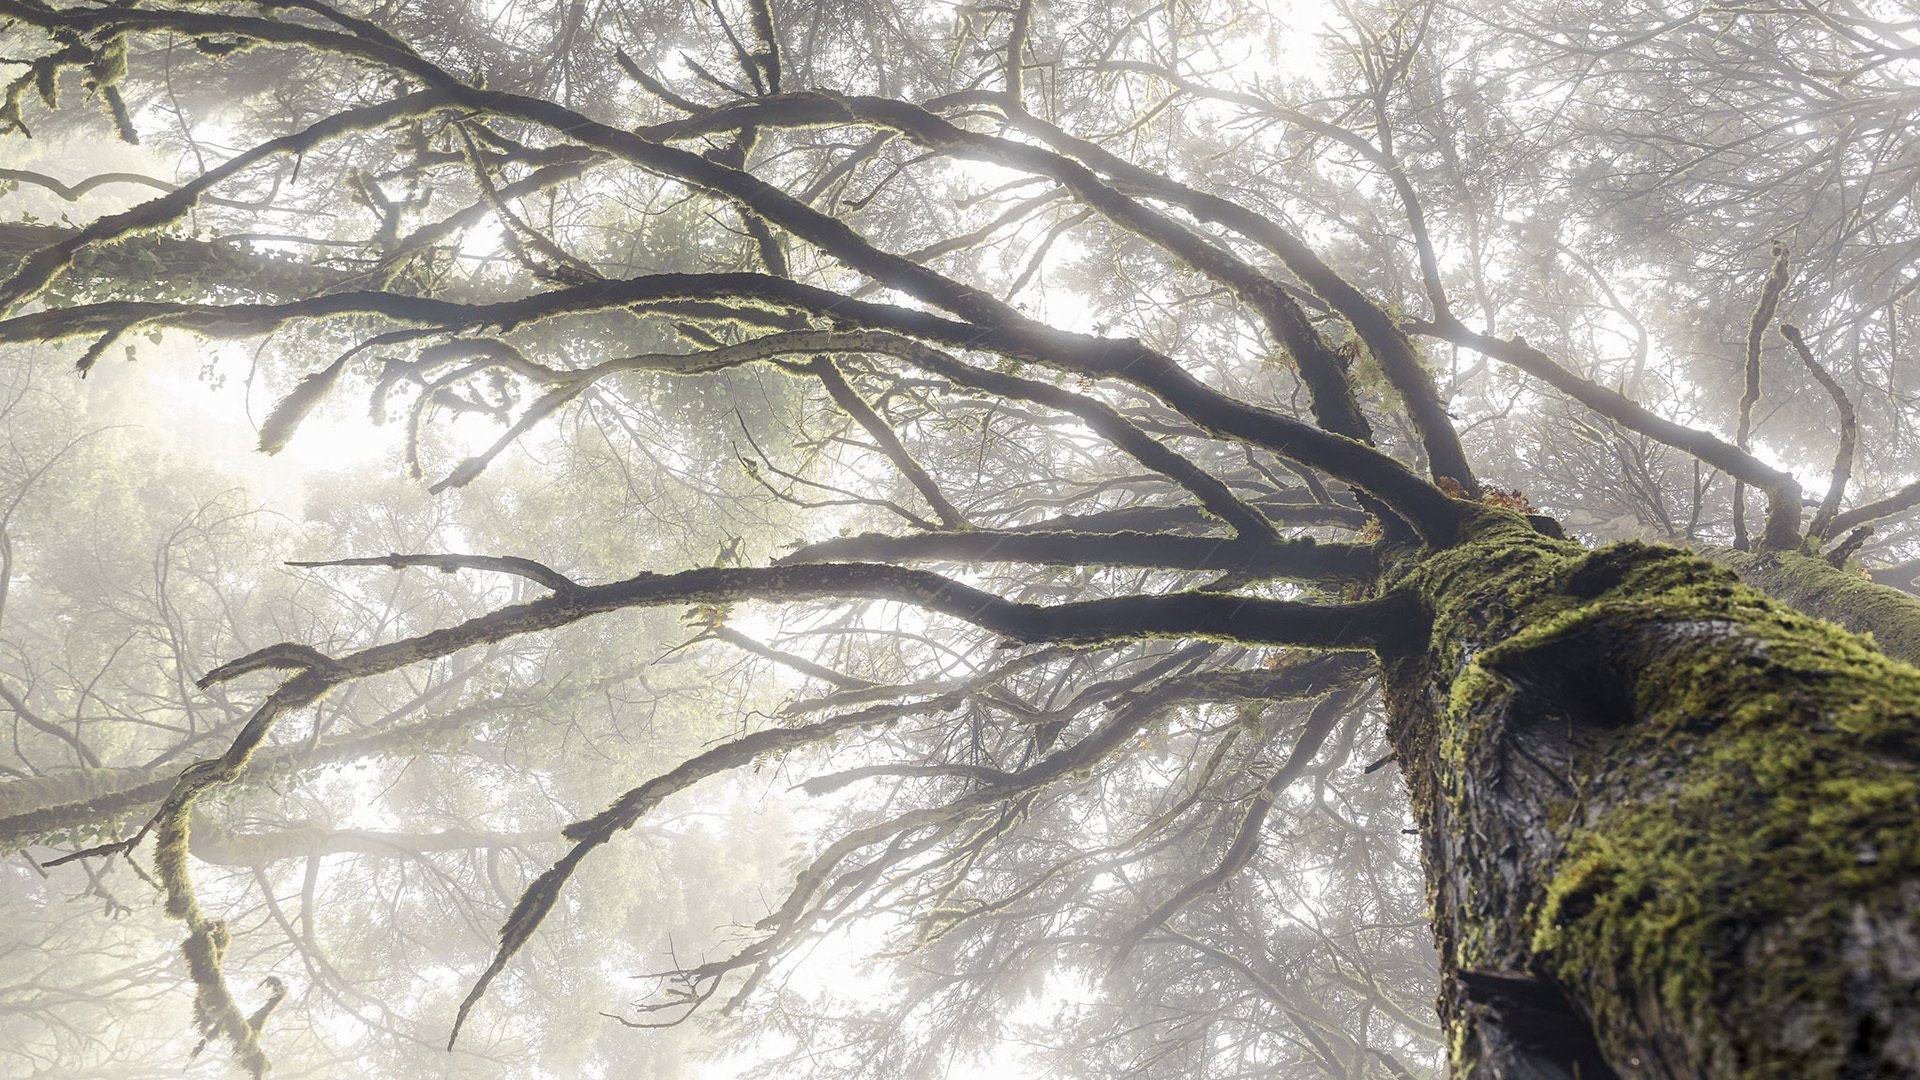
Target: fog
(637,539)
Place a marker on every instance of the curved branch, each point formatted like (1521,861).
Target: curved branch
(1432,513)
(1750,396)
(1823,518)
(1783,491)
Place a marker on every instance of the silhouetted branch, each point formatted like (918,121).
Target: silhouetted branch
(1849,433)
(1756,328)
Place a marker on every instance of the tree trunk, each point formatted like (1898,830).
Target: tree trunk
(1669,824)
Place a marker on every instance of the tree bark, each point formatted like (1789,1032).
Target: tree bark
(157,262)
(1836,594)
(1669,824)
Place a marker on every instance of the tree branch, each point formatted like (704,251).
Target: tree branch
(1822,524)
(1756,328)
(1297,559)
(1783,491)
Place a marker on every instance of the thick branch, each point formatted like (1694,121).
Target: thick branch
(1897,503)
(1299,559)
(1783,491)
(1320,366)
(1431,512)
(1360,625)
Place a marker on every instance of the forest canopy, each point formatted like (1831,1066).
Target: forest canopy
(1196,539)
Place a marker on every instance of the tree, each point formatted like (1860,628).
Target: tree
(409,812)
(1207,498)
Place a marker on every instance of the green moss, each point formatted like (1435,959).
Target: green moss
(1841,594)
(1756,782)
(1501,569)
(1744,783)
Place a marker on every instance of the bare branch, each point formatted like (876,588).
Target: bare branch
(1783,491)
(1823,518)
(1298,559)
(1762,317)
(447,564)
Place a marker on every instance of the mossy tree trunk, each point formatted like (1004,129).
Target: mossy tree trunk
(1838,594)
(1669,824)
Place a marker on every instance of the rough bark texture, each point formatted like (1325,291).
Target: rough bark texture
(1668,822)
(1837,594)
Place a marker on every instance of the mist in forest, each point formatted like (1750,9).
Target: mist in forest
(616,538)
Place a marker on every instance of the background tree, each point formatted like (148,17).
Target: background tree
(409,813)
(1245,414)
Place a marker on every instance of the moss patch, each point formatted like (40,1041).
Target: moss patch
(1747,787)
